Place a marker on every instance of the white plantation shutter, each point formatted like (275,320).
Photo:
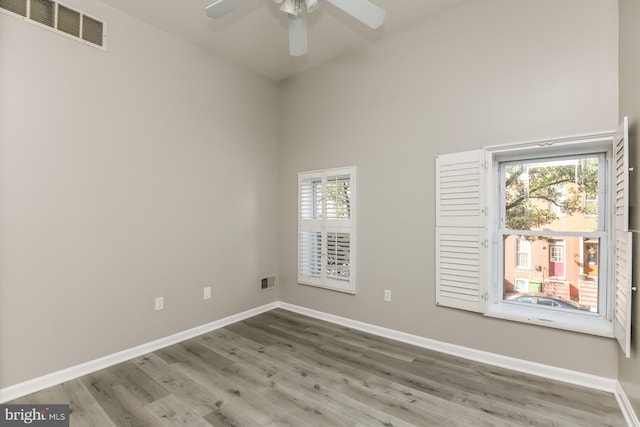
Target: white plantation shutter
(309,258)
(623,239)
(460,189)
(621,166)
(460,261)
(338,255)
(326,229)
(460,231)
(622,271)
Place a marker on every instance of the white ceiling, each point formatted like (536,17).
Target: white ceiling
(256,35)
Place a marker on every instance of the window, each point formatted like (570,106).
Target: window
(525,233)
(523,252)
(326,229)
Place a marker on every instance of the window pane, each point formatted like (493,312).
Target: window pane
(338,256)
(523,252)
(559,195)
(338,197)
(562,271)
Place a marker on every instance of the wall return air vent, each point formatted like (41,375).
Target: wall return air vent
(267,283)
(59,18)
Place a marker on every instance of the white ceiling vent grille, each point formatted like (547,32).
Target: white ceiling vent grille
(59,18)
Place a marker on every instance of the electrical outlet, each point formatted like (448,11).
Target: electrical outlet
(207,292)
(387,295)
(159,303)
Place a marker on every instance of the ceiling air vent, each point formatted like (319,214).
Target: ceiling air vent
(59,18)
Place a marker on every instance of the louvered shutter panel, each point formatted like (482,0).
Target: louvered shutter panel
(460,231)
(460,189)
(339,230)
(310,191)
(338,256)
(621,165)
(623,239)
(460,268)
(623,271)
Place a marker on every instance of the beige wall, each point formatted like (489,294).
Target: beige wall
(147,170)
(488,72)
(629,369)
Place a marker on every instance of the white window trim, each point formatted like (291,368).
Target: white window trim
(467,237)
(325,226)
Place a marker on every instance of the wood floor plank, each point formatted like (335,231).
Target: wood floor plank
(285,369)
(123,391)
(201,399)
(171,411)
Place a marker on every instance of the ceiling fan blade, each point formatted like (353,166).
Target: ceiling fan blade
(298,33)
(221,7)
(363,10)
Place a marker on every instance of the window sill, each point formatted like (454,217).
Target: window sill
(582,323)
(338,287)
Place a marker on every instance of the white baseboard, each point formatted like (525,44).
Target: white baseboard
(525,366)
(625,407)
(533,368)
(55,378)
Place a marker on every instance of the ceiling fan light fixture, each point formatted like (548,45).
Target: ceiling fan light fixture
(297,10)
(292,7)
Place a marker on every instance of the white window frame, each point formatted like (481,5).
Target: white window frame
(587,322)
(554,258)
(326,225)
(468,243)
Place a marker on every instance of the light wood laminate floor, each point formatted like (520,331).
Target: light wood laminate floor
(281,368)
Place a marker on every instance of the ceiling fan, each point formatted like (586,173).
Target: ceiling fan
(297,10)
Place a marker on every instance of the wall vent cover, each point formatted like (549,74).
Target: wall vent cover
(267,283)
(59,18)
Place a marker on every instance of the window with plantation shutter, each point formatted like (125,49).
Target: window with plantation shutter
(460,231)
(623,239)
(538,232)
(326,229)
